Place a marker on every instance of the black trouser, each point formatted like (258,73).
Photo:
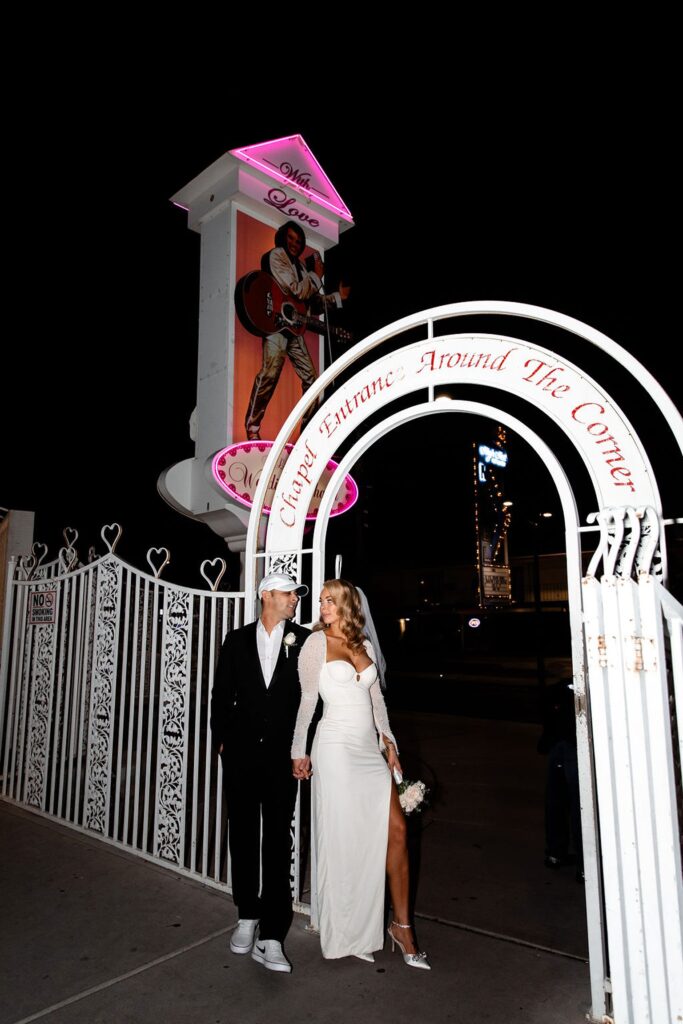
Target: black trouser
(261,789)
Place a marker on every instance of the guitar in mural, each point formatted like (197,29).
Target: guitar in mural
(264,308)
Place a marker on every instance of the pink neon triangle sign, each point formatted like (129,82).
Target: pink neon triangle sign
(290,161)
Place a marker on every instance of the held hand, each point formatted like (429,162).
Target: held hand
(301,767)
(344,291)
(392,759)
(318,267)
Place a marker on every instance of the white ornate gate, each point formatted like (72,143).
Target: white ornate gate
(104,704)
(626,628)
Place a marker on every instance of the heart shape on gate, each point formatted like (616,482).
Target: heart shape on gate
(39,551)
(27,563)
(67,559)
(211,564)
(115,529)
(157,552)
(70,536)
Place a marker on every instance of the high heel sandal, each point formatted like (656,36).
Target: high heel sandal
(412,959)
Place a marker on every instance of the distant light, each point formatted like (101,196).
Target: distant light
(546,515)
(507,504)
(495,456)
(474,623)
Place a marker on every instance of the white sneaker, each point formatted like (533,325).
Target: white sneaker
(242,939)
(269,953)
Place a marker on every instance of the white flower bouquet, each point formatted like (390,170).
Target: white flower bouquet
(411,795)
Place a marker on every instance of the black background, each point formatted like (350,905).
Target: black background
(549,183)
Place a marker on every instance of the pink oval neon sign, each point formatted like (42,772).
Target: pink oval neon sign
(237,470)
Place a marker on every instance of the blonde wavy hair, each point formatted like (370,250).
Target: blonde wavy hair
(351,618)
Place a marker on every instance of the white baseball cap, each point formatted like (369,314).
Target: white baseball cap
(278,581)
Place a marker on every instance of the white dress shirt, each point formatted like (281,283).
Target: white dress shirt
(269,648)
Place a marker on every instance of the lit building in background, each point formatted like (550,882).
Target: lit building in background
(492,515)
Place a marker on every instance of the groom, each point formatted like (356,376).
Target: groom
(254,704)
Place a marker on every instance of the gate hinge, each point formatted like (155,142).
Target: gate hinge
(602,651)
(634,653)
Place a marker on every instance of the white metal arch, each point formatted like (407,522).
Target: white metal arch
(497,308)
(428,319)
(399,375)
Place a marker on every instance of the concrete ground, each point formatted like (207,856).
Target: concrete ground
(94,935)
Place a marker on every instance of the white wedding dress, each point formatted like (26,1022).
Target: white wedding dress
(350,797)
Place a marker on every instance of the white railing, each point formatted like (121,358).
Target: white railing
(105,690)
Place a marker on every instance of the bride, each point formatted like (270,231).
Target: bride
(358,826)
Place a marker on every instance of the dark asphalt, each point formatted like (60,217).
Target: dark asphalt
(92,934)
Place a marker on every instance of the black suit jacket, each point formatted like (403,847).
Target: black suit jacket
(247,717)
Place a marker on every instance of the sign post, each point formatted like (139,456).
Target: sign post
(266,215)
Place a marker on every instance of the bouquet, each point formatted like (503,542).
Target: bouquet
(411,795)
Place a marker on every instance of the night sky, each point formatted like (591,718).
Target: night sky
(546,194)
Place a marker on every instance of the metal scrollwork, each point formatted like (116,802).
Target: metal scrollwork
(287,564)
(101,711)
(625,556)
(649,553)
(629,543)
(40,709)
(172,737)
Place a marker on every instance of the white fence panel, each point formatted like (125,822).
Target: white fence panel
(105,705)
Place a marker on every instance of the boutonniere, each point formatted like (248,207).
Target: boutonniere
(289,641)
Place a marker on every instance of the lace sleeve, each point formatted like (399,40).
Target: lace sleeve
(379,708)
(311,661)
